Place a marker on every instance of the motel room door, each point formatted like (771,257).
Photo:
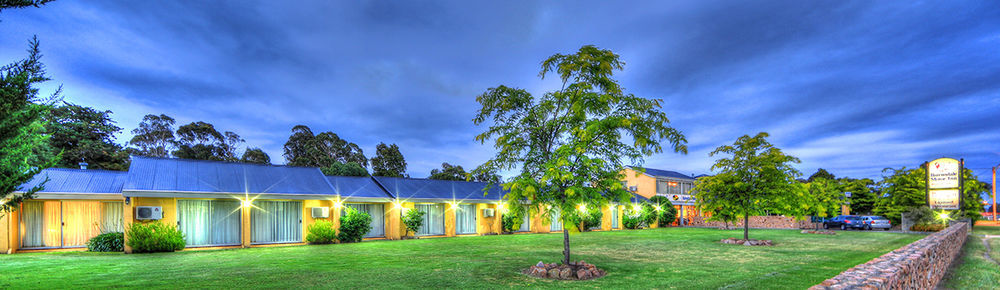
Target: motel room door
(274,222)
(67,224)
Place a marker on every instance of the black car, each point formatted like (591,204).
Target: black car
(844,222)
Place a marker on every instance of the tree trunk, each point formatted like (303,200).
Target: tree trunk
(565,246)
(746,227)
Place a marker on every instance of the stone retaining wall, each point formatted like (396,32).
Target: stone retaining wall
(759,222)
(919,265)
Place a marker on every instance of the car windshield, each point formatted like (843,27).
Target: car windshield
(876,218)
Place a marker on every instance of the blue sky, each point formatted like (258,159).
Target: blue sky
(850,86)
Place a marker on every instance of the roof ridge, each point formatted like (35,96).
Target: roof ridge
(221,161)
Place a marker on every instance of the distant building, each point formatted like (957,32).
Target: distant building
(676,186)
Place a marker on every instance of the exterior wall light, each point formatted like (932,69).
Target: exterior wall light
(247,203)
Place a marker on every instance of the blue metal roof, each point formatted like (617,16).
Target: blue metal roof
(356,187)
(665,173)
(407,188)
(200,176)
(66,180)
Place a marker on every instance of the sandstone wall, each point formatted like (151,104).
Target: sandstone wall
(919,265)
(761,222)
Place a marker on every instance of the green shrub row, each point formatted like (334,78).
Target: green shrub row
(927,227)
(154,237)
(354,225)
(107,242)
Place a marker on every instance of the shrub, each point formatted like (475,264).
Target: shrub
(589,219)
(107,242)
(510,222)
(354,225)
(321,232)
(920,215)
(927,227)
(667,213)
(413,219)
(631,221)
(154,237)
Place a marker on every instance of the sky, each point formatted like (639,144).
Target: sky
(849,86)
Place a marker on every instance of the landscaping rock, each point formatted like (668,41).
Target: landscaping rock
(574,271)
(554,273)
(566,273)
(583,274)
(750,242)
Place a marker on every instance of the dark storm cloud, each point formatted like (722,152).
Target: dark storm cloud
(850,86)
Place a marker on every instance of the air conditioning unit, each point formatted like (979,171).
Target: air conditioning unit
(633,188)
(489,212)
(321,212)
(148,213)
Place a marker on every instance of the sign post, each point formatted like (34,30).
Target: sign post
(944,183)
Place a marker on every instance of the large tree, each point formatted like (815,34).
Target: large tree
(84,134)
(22,127)
(325,149)
(255,155)
(154,137)
(757,177)
(823,197)
(388,161)
(863,195)
(821,173)
(449,172)
(571,145)
(345,169)
(200,140)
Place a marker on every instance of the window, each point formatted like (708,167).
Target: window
(209,222)
(53,224)
(525,223)
(376,211)
(465,219)
(276,222)
(556,224)
(614,216)
(433,219)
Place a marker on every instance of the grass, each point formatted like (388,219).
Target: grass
(656,258)
(973,270)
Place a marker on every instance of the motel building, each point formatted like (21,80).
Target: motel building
(671,184)
(239,205)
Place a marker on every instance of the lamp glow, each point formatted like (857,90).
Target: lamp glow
(583,207)
(943,215)
(657,207)
(247,203)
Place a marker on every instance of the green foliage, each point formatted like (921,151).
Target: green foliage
(510,221)
(758,177)
(154,137)
(907,188)
(928,227)
(107,242)
(200,140)
(667,213)
(22,127)
(449,172)
(921,215)
(821,173)
(631,220)
(321,232)
(304,148)
(588,219)
(255,155)
(83,134)
(388,161)
(570,145)
(863,194)
(412,220)
(822,198)
(154,237)
(341,169)
(354,225)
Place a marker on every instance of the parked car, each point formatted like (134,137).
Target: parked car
(876,222)
(844,222)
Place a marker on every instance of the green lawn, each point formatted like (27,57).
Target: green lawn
(658,258)
(973,270)
(986,230)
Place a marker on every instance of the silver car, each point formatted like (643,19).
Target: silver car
(875,222)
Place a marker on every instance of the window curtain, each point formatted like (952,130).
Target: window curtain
(433,219)
(377,212)
(556,224)
(209,222)
(81,221)
(36,224)
(614,216)
(276,222)
(111,217)
(525,223)
(465,219)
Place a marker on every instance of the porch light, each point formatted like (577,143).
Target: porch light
(656,207)
(583,207)
(337,204)
(247,203)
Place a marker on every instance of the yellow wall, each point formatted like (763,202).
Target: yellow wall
(5,240)
(646,185)
(487,224)
(449,220)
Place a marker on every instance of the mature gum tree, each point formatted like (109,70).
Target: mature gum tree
(570,145)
